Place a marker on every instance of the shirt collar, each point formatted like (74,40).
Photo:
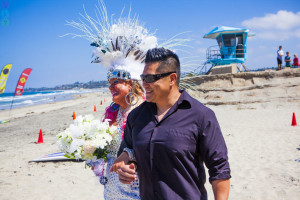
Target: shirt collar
(184,98)
(183,102)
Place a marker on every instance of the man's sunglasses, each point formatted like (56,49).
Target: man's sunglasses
(154,77)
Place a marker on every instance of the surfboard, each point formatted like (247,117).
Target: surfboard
(60,156)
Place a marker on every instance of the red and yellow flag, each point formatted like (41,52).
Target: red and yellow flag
(21,84)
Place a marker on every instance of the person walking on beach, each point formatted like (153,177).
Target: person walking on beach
(295,61)
(287,59)
(279,57)
(172,135)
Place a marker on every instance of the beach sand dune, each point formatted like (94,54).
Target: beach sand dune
(267,88)
(262,147)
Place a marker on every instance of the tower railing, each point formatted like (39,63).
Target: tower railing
(213,53)
(218,53)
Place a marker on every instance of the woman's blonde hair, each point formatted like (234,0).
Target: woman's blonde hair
(136,86)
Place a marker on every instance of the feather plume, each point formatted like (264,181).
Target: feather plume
(132,40)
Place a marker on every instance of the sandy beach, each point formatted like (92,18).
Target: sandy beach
(262,145)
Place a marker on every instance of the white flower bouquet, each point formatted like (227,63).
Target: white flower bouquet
(87,138)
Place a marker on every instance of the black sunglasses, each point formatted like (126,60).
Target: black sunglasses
(150,78)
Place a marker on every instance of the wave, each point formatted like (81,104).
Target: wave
(28,102)
(42,97)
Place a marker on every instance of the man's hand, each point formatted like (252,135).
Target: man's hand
(221,189)
(120,161)
(127,174)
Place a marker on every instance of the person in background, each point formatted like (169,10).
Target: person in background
(295,61)
(287,59)
(279,57)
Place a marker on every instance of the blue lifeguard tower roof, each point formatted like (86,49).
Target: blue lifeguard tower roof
(232,45)
(224,29)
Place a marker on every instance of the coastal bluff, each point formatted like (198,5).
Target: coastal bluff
(264,88)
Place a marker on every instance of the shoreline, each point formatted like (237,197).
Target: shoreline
(46,107)
(42,97)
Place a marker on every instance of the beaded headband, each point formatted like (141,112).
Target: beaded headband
(119,74)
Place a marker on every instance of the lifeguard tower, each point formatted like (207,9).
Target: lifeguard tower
(231,48)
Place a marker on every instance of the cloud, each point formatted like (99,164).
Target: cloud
(279,35)
(201,50)
(282,20)
(198,42)
(280,26)
(262,47)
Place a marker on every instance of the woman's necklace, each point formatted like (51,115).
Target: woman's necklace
(122,115)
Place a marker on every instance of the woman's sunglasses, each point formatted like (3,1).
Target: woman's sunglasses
(154,77)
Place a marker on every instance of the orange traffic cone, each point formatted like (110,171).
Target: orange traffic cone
(101,102)
(294,121)
(74,116)
(95,109)
(40,140)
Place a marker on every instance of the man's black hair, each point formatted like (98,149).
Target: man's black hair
(168,60)
(280,47)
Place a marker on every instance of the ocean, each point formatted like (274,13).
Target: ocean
(43,97)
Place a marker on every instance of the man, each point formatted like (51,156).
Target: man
(279,57)
(172,134)
(287,59)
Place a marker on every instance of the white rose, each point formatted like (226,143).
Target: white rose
(78,120)
(75,131)
(88,118)
(75,145)
(88,147)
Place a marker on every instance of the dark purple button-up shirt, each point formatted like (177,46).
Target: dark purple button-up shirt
(170,153)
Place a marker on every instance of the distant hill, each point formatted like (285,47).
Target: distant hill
(76,85)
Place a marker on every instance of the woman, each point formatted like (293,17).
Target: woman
(126,95)
(295,61)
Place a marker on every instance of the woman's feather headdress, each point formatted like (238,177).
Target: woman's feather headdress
(120,45)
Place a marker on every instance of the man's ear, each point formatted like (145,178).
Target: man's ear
(173,79)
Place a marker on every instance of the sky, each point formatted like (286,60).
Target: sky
(31,36)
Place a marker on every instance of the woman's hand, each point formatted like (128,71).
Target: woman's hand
(123,159)
(127,174)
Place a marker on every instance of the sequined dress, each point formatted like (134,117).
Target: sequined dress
(113,189)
